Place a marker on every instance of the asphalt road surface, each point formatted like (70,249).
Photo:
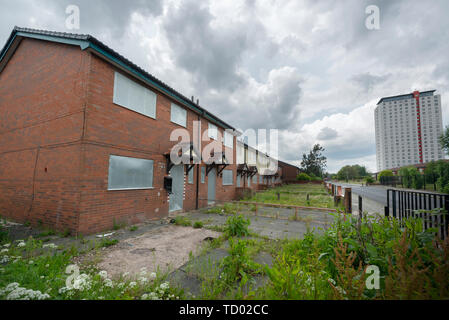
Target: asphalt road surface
(375,193)
(379,193)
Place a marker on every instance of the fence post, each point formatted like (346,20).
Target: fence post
(446,216)
(348,200)
(394,202)
(387,208)
(360,206)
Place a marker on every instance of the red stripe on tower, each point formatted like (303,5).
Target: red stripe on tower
(418,119)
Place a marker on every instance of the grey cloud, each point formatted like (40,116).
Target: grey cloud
(111,16)
(327,134)
(97,17)
(212,55)
(368,81)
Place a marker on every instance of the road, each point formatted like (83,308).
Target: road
(375,193)
(379,194)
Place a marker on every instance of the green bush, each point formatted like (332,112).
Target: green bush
(4,235)
(369,180)
(237,226)
(385,173)
(238,266)
(442,170)
(411,177)
(315,178)
(198,225)
(303,177)
(182,221)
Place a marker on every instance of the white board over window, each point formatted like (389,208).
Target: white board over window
(178,115)
(131,95)
(228,177)
(130,173)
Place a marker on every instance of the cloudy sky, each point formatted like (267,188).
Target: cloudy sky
(308,68)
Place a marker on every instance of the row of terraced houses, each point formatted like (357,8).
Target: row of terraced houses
(85,140)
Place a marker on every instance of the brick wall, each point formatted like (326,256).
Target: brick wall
(58,128)
(42,94)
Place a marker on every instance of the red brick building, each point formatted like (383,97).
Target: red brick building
(289,172)
(84,138)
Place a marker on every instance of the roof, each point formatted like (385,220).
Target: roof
(405,96)
(85,42)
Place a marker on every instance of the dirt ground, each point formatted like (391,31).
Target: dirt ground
(166,248)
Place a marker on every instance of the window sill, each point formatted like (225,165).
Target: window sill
(143,114)
(181,125)
(129,189)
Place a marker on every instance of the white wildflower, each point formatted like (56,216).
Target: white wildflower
(50,245)
(132,284)
(164,286)
(21,244)
(15,292)
(82,282)
(143,280)
(103,274)
(7,245)
(108,283)
(153,275)
(4,251)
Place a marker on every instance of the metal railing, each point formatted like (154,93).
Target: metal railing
(432,208)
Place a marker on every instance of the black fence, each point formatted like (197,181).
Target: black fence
(420,181)
(432,208)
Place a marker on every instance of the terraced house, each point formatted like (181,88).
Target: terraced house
(85,139)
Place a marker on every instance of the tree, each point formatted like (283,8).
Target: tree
(352,172)
(303,177)
(444,140)
(385,173)
(315,162)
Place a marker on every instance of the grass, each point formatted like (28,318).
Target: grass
(31,271)
(183,221)
(106,243)
(335,264)
(306,195)
(198,225)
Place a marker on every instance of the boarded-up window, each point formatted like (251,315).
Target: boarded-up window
(203,174)
(240,153)
(190,176)
(131,95)
(213,131)
(228,178)
(228,140)
(178,115)
(130,173)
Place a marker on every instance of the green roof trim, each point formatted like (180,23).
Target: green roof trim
(83,44)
